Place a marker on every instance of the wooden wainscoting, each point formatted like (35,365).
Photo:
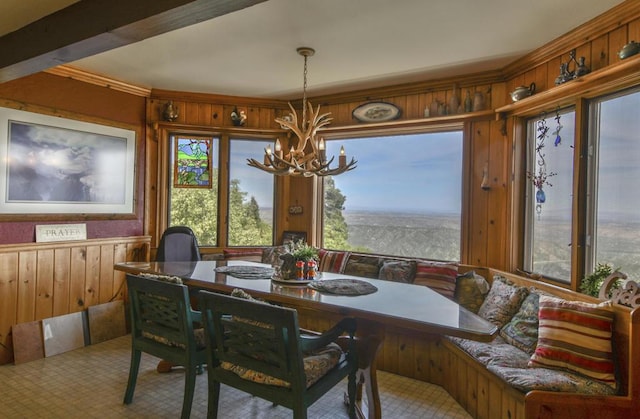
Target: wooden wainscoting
(42,280)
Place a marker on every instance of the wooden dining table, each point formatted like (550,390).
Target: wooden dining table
(394,304)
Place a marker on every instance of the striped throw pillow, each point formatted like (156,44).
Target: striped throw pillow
(332,261)
(439,276)
(576,336)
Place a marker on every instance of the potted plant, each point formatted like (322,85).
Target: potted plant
(296,251)
(591,284)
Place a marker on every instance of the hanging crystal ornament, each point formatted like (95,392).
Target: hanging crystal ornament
(540,177)
(556,133)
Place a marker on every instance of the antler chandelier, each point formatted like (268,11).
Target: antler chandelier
(307,154)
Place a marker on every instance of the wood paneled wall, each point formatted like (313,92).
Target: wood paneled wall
(43,280)
(492,219)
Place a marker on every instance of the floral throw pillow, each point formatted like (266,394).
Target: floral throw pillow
(471,288)
(502,301)
(522,330)
(398,271)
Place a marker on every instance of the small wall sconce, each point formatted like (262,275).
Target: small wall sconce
(485,178)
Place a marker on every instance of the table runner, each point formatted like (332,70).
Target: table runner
(344,286)
(246,271)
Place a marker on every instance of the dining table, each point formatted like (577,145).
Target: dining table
(372,301)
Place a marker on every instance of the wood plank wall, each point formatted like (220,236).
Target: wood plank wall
(492,232)
(43,280)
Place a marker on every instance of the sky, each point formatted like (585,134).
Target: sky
(405,173)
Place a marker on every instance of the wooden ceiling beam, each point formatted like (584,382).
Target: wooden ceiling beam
(89,27)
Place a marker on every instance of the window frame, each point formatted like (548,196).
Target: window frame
(225,136)
(391,129)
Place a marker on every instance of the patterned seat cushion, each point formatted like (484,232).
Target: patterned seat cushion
(496,352)
(316,364)
(527,379)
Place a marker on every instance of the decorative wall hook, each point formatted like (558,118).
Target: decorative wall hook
(485,178)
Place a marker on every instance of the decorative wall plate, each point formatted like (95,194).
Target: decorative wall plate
(376,112)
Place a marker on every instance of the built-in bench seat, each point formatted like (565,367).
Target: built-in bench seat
(496,379)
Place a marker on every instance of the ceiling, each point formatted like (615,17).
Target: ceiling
(359,43)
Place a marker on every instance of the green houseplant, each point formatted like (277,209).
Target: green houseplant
(591,284)
(296,251)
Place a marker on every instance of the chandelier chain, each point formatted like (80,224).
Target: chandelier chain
(304,94)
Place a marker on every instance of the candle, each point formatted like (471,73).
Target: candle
(342,158)
(267,154)
(278,148)
(321,150)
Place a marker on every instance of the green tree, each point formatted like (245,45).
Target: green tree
(198,209)
(335,226)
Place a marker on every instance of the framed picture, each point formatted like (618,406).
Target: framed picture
(54,165)
(293,236)
(376,112)
(192,162)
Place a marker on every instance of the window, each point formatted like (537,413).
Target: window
(549,195)
(614,170)
(191,202)
(195,192)
(250,197)
(403,199)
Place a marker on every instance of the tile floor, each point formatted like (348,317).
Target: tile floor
(90,383)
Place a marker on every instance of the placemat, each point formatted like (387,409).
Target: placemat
(344,286)
(246,272)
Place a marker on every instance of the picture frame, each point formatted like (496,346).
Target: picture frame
(293,236)
(376,112)
(192,162)
(55,165)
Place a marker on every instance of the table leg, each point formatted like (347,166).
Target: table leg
(367,348)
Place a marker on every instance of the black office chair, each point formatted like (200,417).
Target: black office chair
(257,348)
(162,325)
(178,244)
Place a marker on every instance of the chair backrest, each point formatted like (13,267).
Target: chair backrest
(253,335)
(178,244)
(161,317)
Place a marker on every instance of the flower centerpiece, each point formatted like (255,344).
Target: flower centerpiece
(296,252)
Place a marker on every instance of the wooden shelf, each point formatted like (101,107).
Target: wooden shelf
(409,125)
(623,74)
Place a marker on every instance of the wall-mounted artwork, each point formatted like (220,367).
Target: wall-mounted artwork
(192,162)
(54,165)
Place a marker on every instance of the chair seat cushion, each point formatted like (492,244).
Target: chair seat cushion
(198,335)
(316,364)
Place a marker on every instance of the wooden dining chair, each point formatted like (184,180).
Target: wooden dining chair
(257,347)
(162,325)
